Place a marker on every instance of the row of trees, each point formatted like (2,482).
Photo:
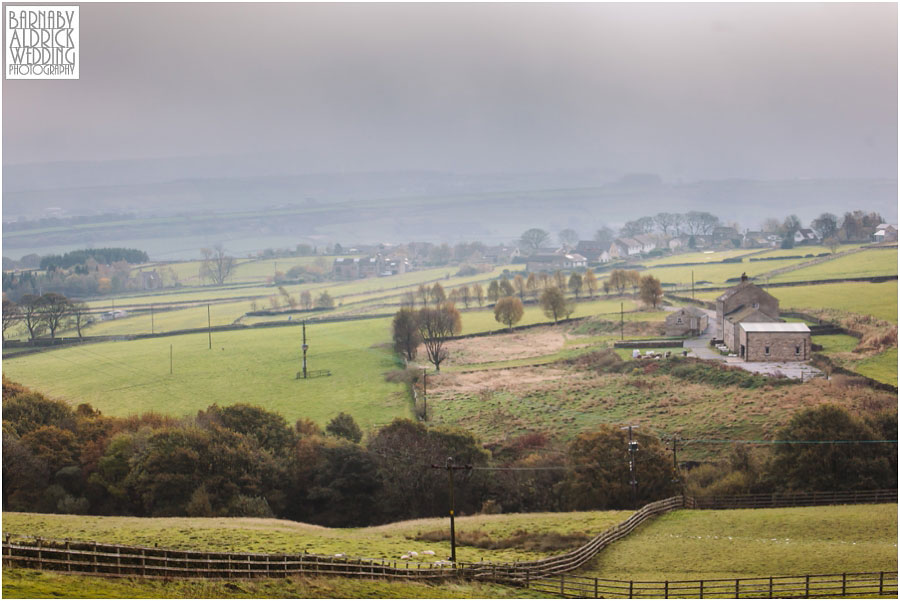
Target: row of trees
(49,312)
(244,461)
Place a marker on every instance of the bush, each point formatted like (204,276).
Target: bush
(242,506)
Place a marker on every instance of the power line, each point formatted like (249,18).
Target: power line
(716,441)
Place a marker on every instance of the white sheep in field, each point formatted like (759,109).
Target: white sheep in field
(404,557)
(413,554)
(340,555)
(427,552)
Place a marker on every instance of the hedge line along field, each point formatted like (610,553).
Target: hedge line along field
(716,273)
(877,300)
(694,545)
(256,366)
(31,584)
(866,263)
(699,257)
(259,535)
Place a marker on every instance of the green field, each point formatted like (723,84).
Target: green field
(881,367)
(716,273)
(878,300)
(837,343)
(804,250)
(699,257)
(693,545)
(255,535)
(867,263)
(256,366)
(31,584)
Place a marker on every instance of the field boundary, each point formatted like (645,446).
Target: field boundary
(28,551)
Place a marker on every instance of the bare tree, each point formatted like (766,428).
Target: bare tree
(664,222)
(590,282)
(493,291)
(11,315)
(78,311)
(217,266)
(519,285)
(478,294)
(576,284)
(53,310)
(531,284)
(826,225)
(437,293)
(406,334)
(700,222)
(533,239)
(30,310)
(509,311)
(651,291)
(436,325)
(306,300)
(465,295)
(423,293)
(568,237)
(553,302)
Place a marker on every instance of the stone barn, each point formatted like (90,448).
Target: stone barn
(774,342)
(686,321)
(745,302)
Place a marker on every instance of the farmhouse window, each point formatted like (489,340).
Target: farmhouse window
(678,321)
(796,350)
(756,305)
(767,350)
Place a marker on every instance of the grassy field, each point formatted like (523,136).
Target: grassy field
(699,257)
(715,273)
(867,263)
(31,584)
(881,367)
(837,343)
(256,366)
(878,300)
(255,535)
(804,250)
(693,545)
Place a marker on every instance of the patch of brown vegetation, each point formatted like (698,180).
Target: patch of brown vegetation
(520,539)
(502,347)
(479,382)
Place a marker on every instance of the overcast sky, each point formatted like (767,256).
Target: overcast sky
(687,91)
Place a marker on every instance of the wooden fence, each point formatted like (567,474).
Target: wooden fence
(149,562)
(859,584)
(792,499)
(546,575)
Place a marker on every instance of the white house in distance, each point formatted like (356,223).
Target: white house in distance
(805,236)
(552,262)
(885,232)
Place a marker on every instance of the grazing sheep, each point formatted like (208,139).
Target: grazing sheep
(404,557)
(340,555)
(427,552)
(413,554)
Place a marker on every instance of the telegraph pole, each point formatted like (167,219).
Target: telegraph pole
(151,319)
(425,392)
(305,348)
(692,283)
(632,449)
(170,360)
(622,321)
(451,467)
(209,327)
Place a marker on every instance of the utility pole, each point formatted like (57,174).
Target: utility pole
(451,467)
(151,319)
(622,321)
(170,360)
(632,449)
(692,283)
(305,348)
(425,392)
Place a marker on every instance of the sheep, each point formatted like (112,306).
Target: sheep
(427,552)
(340,555)
(404,557)
(413,554)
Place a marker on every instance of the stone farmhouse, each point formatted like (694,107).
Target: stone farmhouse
(748,322)
(352,268)
(885,232)
(593,251)
(555,261)
(774,341)
(686,321)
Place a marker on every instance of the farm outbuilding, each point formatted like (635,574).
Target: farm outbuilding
(774,341)
(686,321)
(745,302)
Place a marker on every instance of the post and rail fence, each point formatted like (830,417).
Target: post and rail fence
(549,575)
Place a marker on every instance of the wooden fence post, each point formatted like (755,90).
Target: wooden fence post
(596,588)
(94,557)
(881,583)
(143,562)
(631,589)
(844,584)
(666,590)
(737,588)
(562,584)
(68,558)
(701,589)
(771,584)
(40,555)
(807,586)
